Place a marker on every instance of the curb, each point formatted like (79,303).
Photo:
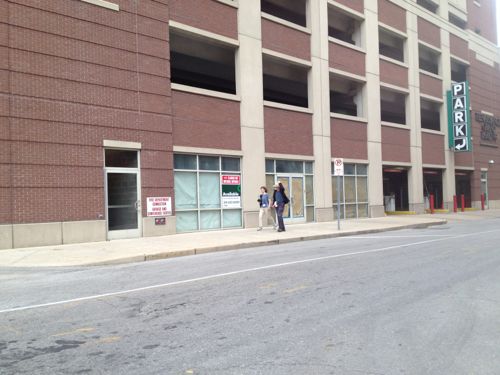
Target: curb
(248,245)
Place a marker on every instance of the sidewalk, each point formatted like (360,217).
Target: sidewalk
(151,248)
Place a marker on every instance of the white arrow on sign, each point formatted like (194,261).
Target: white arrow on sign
(461,146)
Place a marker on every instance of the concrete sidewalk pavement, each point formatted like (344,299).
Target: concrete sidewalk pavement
(151,248)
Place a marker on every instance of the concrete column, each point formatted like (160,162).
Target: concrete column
(250,88)
(375,173)
(449,188)
(319,97)
(415,174)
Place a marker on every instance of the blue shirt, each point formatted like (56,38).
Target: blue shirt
(279,197)
(264,200)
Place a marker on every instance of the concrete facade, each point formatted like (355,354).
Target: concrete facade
(79,77)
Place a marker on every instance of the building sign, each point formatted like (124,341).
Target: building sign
(231,191)
(338,167)
(459,122)
(489,125)
(159,206)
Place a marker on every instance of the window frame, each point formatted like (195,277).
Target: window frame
(198,209)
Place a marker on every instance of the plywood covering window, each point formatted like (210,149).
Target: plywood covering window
(285,82)
(353,192)
(202,62)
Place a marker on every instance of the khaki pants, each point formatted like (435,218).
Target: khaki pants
(264,214)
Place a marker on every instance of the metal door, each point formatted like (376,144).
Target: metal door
(123,205)
(295,190)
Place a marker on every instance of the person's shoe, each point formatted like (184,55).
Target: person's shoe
(281,230)
(259,228)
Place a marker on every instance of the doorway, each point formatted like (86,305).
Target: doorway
(396,189)
(294,188)
(484,186)
(122,186)
(463,187)
(433,185)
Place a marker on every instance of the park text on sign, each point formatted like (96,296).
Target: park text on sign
(338,167)
(231,191)
(459,117)
(159,206)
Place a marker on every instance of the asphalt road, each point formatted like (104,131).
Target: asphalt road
(405,302)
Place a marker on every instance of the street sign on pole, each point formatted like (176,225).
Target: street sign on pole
(338,171)
(338,167)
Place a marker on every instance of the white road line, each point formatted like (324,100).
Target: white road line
(410,236)
(221,275)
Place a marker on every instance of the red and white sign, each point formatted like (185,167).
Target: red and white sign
(159,206)
(338,167)
(230,180)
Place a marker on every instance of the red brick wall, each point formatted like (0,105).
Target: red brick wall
(431,86)
(288,132)
(208,15)
(393,74)
(432,149)
(459,47)
(392,15)
(347,59)
(348,139)
(485,96)
(281,38)
(483,18)
(204,121)
(395,144)
(428,32)
(79,74)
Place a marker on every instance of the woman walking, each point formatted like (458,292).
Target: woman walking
(264,208)
(280,199)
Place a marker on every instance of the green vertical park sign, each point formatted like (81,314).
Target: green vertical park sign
(459,118)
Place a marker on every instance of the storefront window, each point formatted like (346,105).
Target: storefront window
(198,184)
(353,192)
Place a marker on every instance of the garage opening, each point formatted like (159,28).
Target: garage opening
(285,82)
(395,189)
(289,10)
(433,186)
(202,62)
(463,187)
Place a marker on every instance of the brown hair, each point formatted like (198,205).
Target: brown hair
(263,187)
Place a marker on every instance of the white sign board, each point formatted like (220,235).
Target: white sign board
(159,206)
(338,167)
(231,191)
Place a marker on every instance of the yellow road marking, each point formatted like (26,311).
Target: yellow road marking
(301,287)
(76,331)
(267,286)
(108,340)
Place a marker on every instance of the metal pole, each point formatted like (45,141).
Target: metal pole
(338,202)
